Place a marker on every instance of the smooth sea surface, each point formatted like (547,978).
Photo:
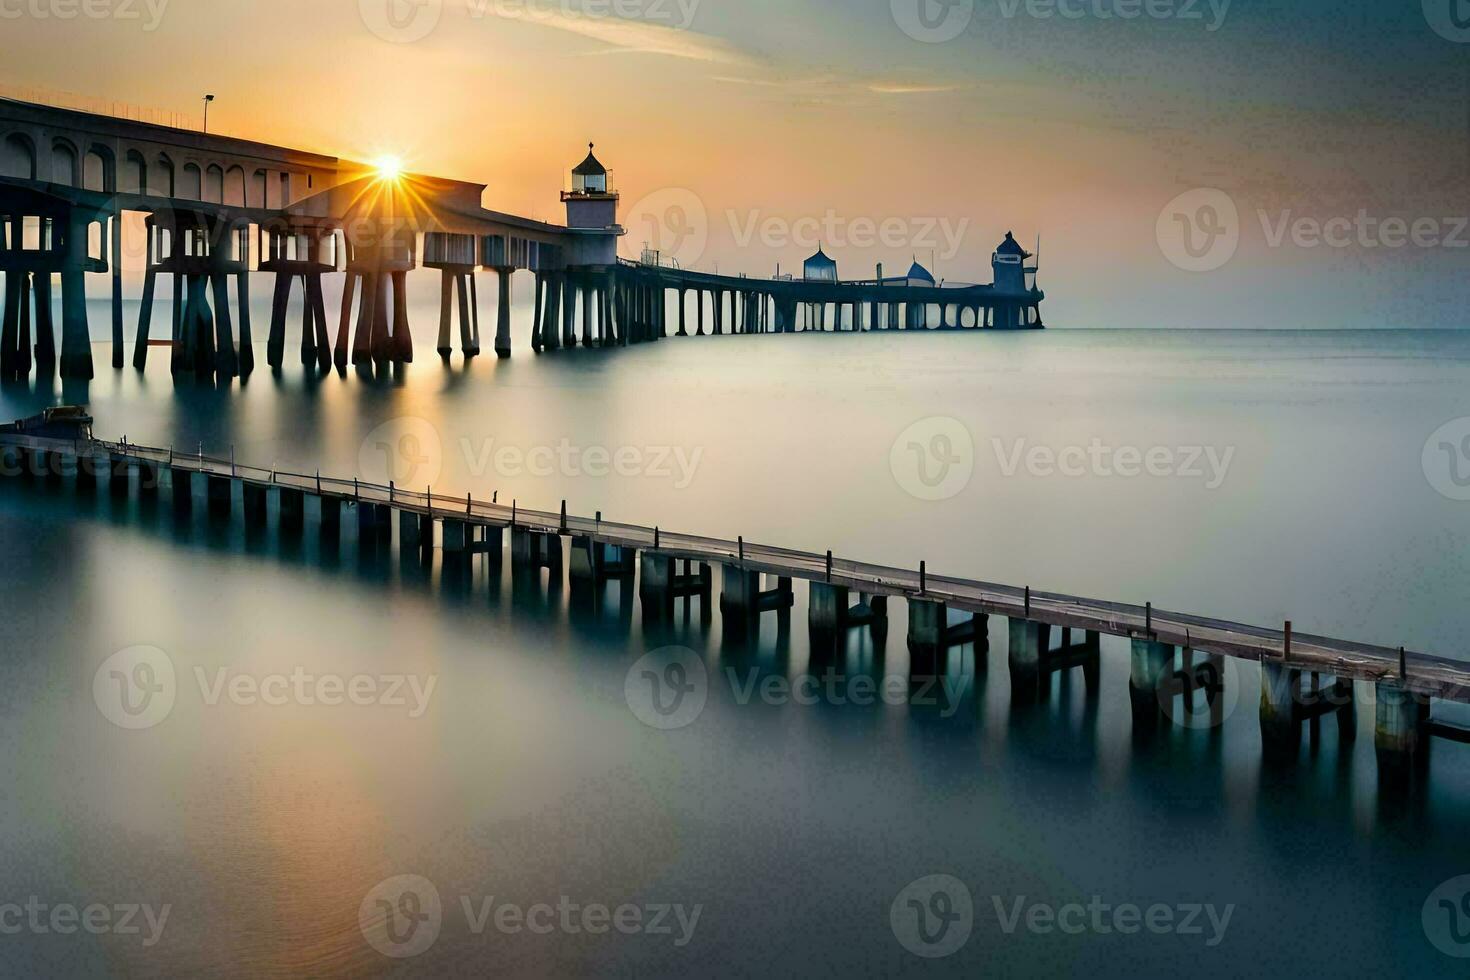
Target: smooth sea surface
(794,824)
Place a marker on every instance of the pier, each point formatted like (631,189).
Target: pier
(1303,677)
(220,209)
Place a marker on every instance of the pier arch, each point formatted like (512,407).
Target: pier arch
(99,170)
(134,178)
(65,162)
(214,184)
(191,184)
(18,156)
(235,187)
(161,179)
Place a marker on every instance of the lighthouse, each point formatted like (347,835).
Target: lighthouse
(591,203)
(1009,266)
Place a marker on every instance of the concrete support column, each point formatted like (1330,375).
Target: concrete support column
(1400,724)
(569,311)
(656,583)
(410,530)
(182,483)
(1149,665)
(219,490)
(502,313)
(1025,651)
(119,470)
(586,563)
(253,496)
(928,630)
(329,514)
(740,591)
(76,342)
(291,507)
(149,477)
(827,607)
(1281,728)
(551,315)
(536,313)
(456,536)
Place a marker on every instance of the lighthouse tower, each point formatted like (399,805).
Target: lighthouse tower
(591,203)
(1009,265)
(592,215)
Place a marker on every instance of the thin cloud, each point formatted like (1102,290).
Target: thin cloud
(632,36)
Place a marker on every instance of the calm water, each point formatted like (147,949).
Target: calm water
(793,827)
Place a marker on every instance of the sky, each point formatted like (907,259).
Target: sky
(1183,163)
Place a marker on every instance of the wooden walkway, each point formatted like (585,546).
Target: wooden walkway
(1431,676)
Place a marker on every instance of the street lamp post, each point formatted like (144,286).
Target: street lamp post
(207,100)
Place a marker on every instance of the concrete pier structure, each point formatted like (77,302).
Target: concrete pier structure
(1304,678)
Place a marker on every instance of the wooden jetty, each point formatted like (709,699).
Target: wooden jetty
(1302,676)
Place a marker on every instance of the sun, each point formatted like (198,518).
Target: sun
(388,167)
